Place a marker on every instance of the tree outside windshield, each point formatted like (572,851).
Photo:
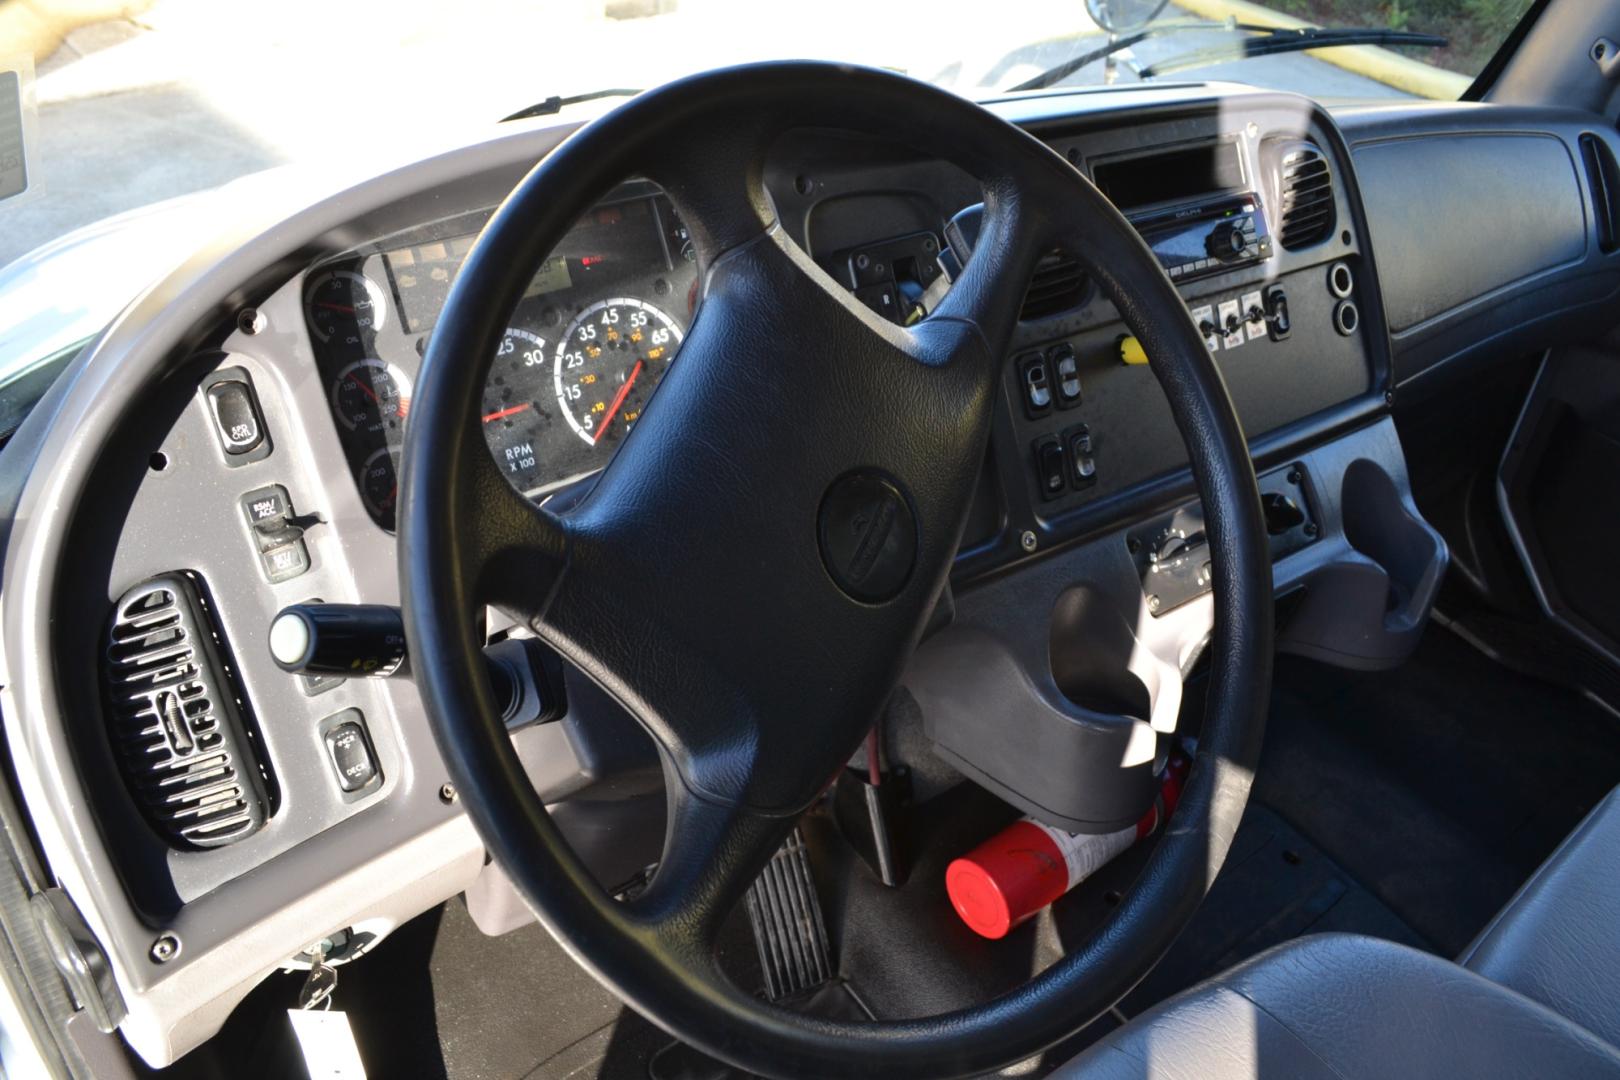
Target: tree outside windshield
(139,102)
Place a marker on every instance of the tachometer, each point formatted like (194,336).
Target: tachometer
(518,404)
(344,305)
(607,363)
(371,397)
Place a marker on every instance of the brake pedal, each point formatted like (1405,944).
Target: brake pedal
(788,928)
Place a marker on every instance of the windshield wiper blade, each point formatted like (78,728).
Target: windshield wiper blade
(1054,75)
(553,105)
(1265,41)
(1286,41)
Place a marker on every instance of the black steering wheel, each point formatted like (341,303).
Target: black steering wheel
(751,572)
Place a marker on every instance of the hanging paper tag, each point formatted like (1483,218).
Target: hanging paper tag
(330,1052)
(16,123)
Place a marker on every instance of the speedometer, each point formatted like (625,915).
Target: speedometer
(607,363)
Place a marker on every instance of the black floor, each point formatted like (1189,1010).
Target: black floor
(1407,804)
(1441,785)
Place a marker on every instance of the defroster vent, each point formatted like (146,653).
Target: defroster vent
(176,722)
(1304,194)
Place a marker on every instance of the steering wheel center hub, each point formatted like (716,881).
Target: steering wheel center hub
(868,536)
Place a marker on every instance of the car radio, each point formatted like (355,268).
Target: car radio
(1206,238)
(1192,203)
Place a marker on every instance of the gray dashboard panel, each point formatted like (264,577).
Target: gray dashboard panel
(396,854)
(1435,261)
(1495,259)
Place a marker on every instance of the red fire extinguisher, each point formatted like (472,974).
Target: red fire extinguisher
(1029,864)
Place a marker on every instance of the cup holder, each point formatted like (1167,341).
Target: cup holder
(1093,650)
(1365,607)
(1377,524)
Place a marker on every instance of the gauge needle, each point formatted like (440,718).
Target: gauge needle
(371,393)
(346,309)
(501,414)
(368,391)
(618,399)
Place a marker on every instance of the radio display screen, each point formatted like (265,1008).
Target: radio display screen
(1208,169)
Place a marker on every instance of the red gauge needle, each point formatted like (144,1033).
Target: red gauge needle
(618,399)
(368,391)
(501,414)
(346,309)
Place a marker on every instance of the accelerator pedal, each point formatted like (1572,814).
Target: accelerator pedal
(788,928)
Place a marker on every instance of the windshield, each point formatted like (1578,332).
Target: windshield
(141,102)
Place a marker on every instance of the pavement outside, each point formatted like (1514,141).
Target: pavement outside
(190,94)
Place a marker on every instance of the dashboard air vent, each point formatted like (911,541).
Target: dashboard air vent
(1304,195)
(1058,285)
(1603,177)
(176,724)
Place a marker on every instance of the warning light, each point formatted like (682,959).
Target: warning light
(588,261)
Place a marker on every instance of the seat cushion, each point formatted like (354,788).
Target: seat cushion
(1340,1007)
(1558,940)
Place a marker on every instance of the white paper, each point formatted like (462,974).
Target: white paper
(13,159)
(328,1044)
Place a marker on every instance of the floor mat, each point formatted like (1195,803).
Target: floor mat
(440,999)
(1275,886)
(1440,785)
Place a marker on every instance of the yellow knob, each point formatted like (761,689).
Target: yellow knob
(1130,350)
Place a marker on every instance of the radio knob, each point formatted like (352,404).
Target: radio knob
(1226,240)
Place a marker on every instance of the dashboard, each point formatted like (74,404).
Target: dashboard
(246,419)
(596,329)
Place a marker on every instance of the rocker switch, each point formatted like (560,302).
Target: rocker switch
(1067,367)
(236,417)
(1036,380)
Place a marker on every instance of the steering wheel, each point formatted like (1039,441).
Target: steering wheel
(750,573)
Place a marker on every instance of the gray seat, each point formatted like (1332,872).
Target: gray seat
(1558,940)
(1537,995)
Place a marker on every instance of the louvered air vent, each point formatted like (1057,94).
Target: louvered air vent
(175,722)
(1058,285)
(1304,196)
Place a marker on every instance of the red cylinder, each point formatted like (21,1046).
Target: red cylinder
(1029,864)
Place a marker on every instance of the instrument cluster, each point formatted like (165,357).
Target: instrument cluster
(599,325)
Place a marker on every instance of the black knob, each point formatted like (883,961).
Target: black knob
(1226,240)
(1282,513)
(339,639)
